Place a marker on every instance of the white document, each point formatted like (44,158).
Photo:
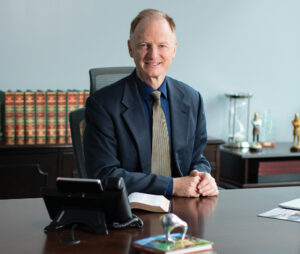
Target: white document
(282,214)
(292,204)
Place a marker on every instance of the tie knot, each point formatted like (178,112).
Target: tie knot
(156,95)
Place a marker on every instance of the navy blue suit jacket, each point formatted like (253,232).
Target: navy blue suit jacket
(117,135)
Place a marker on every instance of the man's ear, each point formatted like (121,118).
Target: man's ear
(129,48)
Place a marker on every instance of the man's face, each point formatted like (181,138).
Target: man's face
(153,47)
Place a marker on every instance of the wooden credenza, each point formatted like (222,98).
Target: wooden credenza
(58,160)
(271,167)
(55,160)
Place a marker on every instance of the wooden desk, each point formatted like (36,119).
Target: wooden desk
(240,168)
(230,221)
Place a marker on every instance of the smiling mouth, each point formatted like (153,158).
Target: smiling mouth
(153,64)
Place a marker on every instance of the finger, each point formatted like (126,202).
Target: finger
(205,180)
(195,172)
(207,183)
(194,194)
(210,190)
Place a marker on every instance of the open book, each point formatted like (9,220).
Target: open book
(149,202)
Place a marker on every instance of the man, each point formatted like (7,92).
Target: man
(118,137)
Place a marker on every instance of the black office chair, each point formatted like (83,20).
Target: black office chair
(21,181)
(101,77)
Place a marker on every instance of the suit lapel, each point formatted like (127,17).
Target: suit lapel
(136,121)
(179,111)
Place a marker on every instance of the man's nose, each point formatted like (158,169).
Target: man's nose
(152,52)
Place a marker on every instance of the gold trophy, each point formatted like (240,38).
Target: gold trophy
(296,133)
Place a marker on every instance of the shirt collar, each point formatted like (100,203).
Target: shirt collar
(146,90)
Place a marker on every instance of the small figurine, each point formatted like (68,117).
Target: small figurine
(256,146)
(169,222)
(296,140)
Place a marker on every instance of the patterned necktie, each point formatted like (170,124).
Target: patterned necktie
(161,163)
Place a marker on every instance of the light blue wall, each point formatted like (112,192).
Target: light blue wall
(223,46)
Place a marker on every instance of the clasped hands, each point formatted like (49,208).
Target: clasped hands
(195,185)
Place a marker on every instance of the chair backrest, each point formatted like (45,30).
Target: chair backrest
(77,125)
(21,181)
(101,77)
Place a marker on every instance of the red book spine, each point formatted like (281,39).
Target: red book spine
(29,117)
(61,117)
(40,117)
(81,99)
(20,126)
(51,107)
(9,103)
(72,104)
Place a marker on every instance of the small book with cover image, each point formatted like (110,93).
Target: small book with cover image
(149,202)
(158,244)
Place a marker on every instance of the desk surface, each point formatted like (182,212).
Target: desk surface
(230,221)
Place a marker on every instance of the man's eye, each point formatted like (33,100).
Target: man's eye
(163,46)
(142,45)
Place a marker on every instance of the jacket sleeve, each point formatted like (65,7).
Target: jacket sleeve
(199,161)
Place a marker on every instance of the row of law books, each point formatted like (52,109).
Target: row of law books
(38,117)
